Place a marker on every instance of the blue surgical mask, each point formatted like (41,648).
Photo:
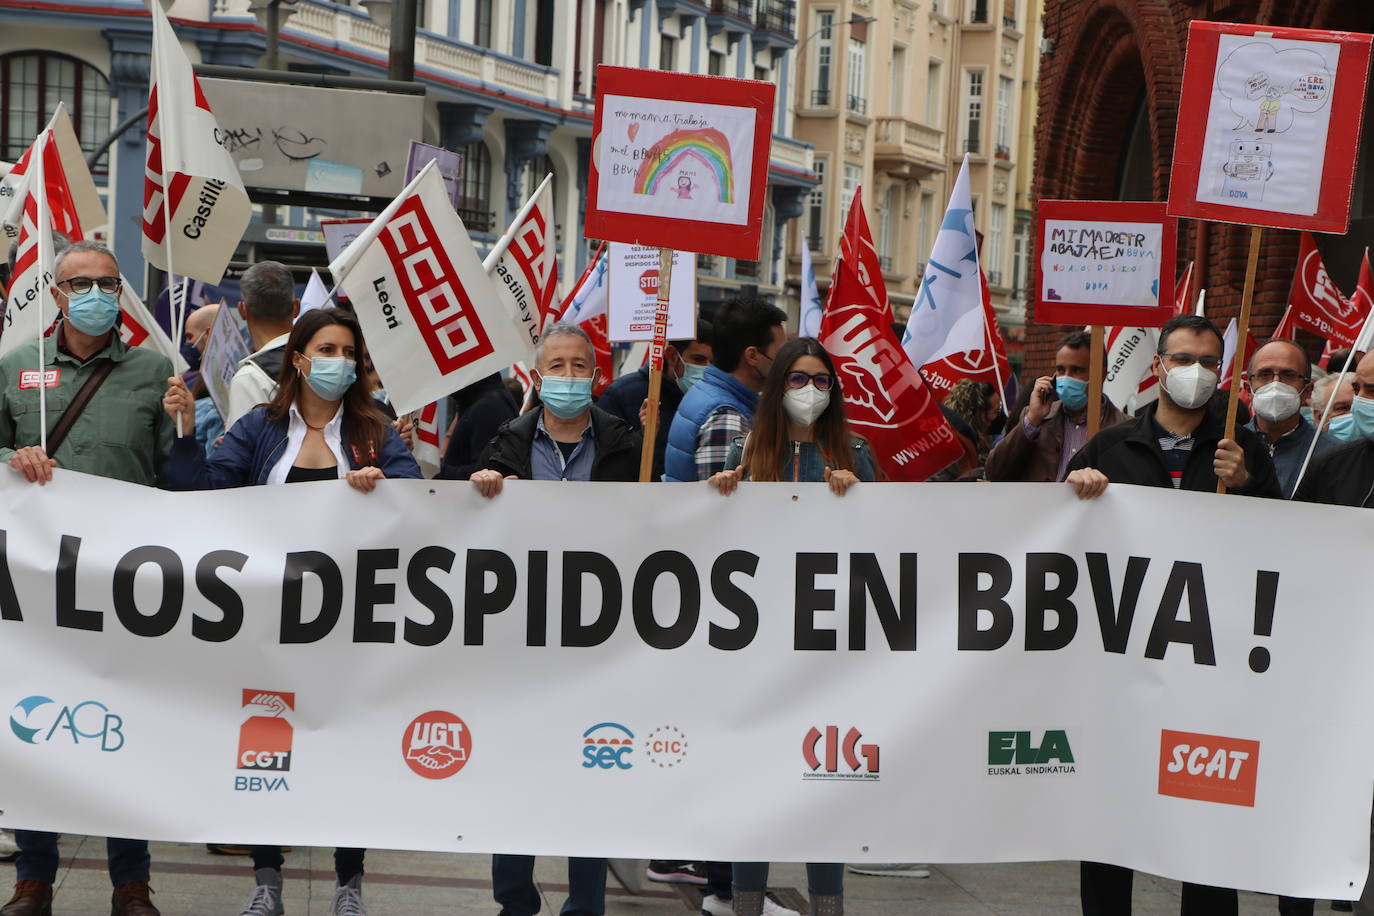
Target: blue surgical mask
(691,374)
(566,397)
(1342,427)
(1362,410)
(1073,392)
(93,312)
(331,376)
(379,395)
(1308,415)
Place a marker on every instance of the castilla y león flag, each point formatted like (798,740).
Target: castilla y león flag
(885,398)
(433,321)
(194,206)
(524,268)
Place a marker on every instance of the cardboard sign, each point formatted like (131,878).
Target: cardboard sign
(449,163)
(1105,263)
(634,294)
(1277,115)
(679,161)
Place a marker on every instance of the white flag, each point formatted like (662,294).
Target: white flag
(592,294)
(947,316)
(68,170)
(809,324)
(431,316)
(1129,383)
(138,328)
(29,307)
(524,265)
(315,294)
(186,165)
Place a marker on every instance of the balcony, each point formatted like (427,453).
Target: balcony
(775,23)
(747,270)
(733,17)
(476,220)
(908,148)
(978,14)
(885,263)
(973,145)
(857,104)
(995,278)
(820,98)
(1003,152)
(1009,22)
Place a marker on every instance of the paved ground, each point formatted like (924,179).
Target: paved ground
(191,882)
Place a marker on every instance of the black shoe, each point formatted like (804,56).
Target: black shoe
(676,872)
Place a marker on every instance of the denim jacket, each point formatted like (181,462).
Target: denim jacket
(806,464)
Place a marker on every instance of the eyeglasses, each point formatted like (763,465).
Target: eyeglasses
(82,285)
(1287,376)
(1366,391)
(798,379)
(1183,360)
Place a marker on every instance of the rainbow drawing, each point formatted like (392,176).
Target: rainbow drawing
(707,146)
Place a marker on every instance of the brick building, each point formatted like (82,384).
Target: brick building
(1110,73)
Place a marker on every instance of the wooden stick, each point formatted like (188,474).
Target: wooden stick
(1096,362)
(665,276)
(1242,332)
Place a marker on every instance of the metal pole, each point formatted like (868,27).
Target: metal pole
(403,26)
(273,35)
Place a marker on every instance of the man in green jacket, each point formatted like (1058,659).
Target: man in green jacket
(122,433)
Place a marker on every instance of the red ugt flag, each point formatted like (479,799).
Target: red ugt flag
(858,251)
(1316,302)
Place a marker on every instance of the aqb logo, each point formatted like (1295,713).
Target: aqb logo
(89,721)
(436,745)
(607,746)
(265,736)
(862,759)
(1015,753)
(1208,768)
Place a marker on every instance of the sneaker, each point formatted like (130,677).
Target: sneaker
(892,870)
(674,872)
(772,908)
(9,849)
(712,905)
(266,897)
(348,899)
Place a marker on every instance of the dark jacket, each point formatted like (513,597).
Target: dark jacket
(1129,453)
(482,407)
(1289,451)
(1341,477)
(623,398)
(617,448)
(254,445)
(1018,457)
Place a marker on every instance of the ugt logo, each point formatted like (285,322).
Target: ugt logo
(608,746)
(861,759)
(89,721)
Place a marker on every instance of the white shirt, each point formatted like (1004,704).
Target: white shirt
(295,438)
(250,386)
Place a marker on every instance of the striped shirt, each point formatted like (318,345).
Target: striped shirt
(715,437)
(1176,450)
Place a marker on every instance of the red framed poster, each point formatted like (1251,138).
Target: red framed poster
(1105,262)
(1269,126)
(679,161)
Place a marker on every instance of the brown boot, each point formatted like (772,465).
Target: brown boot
(131,899)
(31,898)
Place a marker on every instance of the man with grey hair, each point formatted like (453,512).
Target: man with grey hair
(269,306)
(1339,390)
(123,433)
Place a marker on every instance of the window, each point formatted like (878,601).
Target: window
(935,75)
(474,189)
(825,54)
(978,11)
(1020,250)
(858,76)
(997,215)
(924,226)
(889,227)
(895,92)
(667,52)
(31,85)
(1005,87)
(815,211)
(763,74)
(715,66)
(481,23)
(973,119)
(853,177)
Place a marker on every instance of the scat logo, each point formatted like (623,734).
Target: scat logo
(1208,768)
(90,721)
(608,746)
(436,744)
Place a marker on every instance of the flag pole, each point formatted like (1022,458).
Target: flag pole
(992,352)
(171,273)
(1242,333)
(38,185)
(499,249)
(665,276)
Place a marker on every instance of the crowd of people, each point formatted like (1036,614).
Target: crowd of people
(741,403)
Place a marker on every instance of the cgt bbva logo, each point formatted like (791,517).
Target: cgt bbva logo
(90,722)
(265,740)
(823,759)
(608,746)
(1208,768)
(1016,754)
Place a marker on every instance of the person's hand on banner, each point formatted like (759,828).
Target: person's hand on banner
(726,481)
(34,464)
(840,481)
(364,480)
(178,400)
(1089,483)
(1042,396)
(1229,464)
(489,482)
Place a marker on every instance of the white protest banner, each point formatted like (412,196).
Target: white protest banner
(634,294)
(431,316)
(1276,115)
(224,349)
(1083,685)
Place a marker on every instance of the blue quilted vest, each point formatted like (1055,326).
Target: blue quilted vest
(715,390)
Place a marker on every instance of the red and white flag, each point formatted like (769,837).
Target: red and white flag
(885,398)
(1362,300)
(428,437)
(1230,341)
(859,251)
(432,318)
(586,307)
(30,311)
(1182,290)
(524,266)
(1317,303)
(66,174)
(194,205)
